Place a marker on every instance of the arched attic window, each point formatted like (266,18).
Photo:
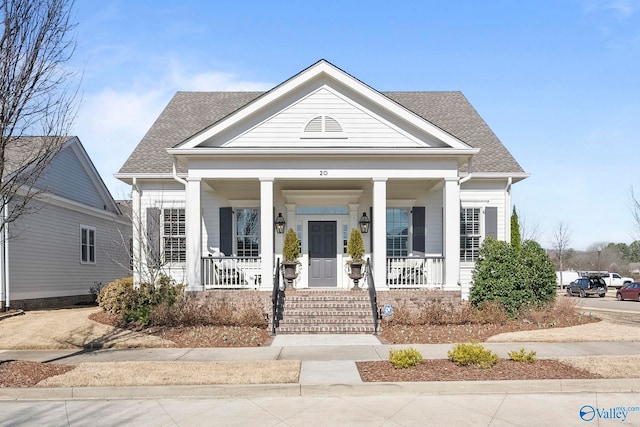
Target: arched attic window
(323,127)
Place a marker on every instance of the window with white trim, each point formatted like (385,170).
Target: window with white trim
(87,245)
(248,232)
(174,235)
(469,234)
(397,232)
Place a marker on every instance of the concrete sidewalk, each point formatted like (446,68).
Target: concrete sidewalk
(329,391)
(328,368)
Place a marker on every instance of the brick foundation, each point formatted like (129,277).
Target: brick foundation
(52,302)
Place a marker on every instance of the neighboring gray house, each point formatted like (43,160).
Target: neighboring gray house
(221,175)
(73,236)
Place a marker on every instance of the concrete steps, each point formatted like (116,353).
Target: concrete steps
(326,312)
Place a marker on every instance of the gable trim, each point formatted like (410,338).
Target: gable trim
(319,70)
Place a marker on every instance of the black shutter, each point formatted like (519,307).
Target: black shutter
(371,230)
(226,231)
(491,222)
(418,229)
(153,237)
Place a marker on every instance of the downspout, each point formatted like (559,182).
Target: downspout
(5,259)
(174,170)
(175,174)
(507,205)
(137,220)
(469,173)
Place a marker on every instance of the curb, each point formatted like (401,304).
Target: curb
(5,315)
(620,385)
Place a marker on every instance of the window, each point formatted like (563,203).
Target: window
(87,244)
(397,232)
(247,232)
(174,235)
(469,234)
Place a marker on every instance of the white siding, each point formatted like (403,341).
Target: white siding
(44,253)
(482,194)
(360,126)
(159,194)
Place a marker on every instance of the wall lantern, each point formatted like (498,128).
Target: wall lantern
(280,223)
(364,222)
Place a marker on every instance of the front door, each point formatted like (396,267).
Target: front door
(322,253)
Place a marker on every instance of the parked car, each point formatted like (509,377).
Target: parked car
(629,291)
(586,286)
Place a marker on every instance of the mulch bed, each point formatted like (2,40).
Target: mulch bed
(444,334)
(20,373)
(445,370)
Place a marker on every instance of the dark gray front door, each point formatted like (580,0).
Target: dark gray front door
(322,253)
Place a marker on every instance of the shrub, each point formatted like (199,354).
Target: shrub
(492,312)
(522,356)
(220,313)
(472,354)
(118,296)
(404,358)
(517,278)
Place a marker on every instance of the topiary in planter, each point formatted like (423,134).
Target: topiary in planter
(290,254)
(355,249)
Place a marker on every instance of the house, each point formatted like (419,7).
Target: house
(72,237)
(221,175)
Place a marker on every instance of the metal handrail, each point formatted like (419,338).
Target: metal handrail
(373,298)
(277,300)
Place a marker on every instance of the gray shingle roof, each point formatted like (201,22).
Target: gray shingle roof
(190,112)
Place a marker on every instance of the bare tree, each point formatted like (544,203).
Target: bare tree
(560,243)
(634,206)
(529,230)
(36,95)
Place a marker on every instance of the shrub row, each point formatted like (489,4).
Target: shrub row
(163,304)
(462,354)
(558,313)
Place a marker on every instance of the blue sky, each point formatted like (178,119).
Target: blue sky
(557,81)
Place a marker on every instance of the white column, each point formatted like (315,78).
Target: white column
(193,218)
(266,232)
(451,234)
(379,225)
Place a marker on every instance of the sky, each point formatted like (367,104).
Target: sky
(557,81)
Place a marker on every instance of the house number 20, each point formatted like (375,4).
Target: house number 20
(324,173)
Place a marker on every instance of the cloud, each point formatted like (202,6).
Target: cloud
(111,122)
(620,8)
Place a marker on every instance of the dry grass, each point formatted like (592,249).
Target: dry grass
(115,374)
(607,366)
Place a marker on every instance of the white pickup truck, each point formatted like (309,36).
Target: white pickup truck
(613,280)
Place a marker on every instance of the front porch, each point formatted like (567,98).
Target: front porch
(413,240)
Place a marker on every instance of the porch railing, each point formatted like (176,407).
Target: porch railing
(231,272)
(373,297)
(277,300)
(415,272)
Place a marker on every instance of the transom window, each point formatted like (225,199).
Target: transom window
(174,235)
(469,234)
(87,245)
(322,210)
(397,232)
(248,232)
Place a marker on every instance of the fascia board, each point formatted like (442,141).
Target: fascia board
(517,176)
(327,152)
